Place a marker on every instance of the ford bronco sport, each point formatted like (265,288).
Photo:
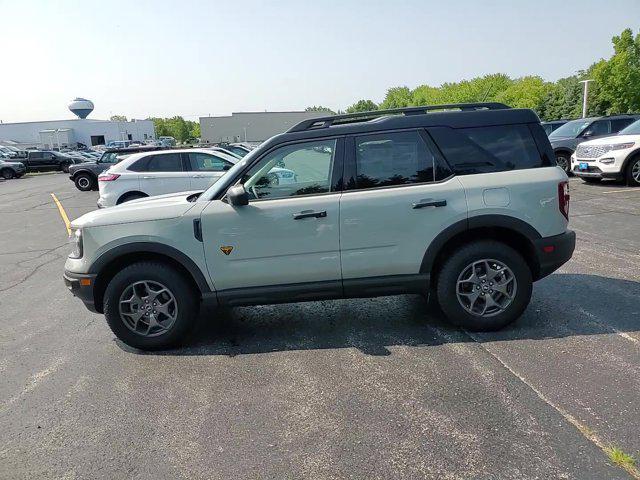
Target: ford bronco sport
(464,204)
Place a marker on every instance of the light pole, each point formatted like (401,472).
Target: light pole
(585,96)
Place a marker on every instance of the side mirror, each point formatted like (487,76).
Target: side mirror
(238,196)
(587,133)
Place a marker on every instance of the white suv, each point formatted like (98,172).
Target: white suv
(160,172)
(467,206)
(617,156)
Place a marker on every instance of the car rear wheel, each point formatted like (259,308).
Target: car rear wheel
(633,172)
(150,306)
(7,173)
(484,286)
(564,161)
(84,182)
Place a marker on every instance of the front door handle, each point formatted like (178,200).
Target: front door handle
(199,175)
(429,202)
(309,214)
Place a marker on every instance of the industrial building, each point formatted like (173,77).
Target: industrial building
(250,126)
(71,132)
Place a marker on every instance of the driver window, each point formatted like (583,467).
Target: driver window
(300,169)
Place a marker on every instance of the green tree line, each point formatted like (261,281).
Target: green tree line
(615,88)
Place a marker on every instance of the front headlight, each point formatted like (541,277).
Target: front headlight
(75,240)
(621,146)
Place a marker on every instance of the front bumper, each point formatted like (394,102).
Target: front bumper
(553,252)
(81,285)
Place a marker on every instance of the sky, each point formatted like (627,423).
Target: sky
(199,57)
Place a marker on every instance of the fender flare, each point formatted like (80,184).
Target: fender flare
(151,247)
(480,221)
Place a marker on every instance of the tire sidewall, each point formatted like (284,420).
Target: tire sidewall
(630,180)
(89,180)
(169,277)
(447,282)
(10,174)
(567,169)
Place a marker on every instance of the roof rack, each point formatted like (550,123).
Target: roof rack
(325,122)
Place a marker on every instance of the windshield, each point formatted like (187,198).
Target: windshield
(224,181)
(633,129)
(572,128)
(112,157)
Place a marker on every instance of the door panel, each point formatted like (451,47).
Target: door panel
(387,231)
(159,183)
(203,180)
(270,246)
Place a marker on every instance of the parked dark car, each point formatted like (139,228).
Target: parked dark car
(42,160)
(552,125)
(566,138)
(85,175)
(9,169)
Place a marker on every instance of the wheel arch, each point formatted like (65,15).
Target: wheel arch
(130,193)
(83,170)
(114,260)
(632,156)
(512,231)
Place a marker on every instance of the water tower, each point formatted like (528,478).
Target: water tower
(81,107)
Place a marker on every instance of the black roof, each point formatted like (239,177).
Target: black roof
(460,115)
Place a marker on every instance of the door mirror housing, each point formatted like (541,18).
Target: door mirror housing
(587,133)
(238,196)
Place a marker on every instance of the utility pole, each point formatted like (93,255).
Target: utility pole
(585,96)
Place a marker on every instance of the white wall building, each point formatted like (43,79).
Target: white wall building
(250,126)
(54,133)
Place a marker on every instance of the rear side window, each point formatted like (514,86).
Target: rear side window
(166,162)
(388,159)
(488,149)
(619,124)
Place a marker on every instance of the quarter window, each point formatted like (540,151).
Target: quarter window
(488,149)
(388,159)
(292,170)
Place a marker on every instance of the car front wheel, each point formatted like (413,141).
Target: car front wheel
(484,286)
(564,161)
(633,172)
(65,167)
(150,306)
(7,173)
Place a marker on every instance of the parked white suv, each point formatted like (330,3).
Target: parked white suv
(160,172)
(617,156)
(467,206)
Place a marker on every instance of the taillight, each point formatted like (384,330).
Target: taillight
(110,177)
(563,198)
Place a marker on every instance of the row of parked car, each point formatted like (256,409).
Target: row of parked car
(596,148)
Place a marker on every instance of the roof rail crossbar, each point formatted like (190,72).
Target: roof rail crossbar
(325,122)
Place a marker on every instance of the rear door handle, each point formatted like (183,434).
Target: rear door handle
(309,214)
(147,177)
(429,202)
(197,176)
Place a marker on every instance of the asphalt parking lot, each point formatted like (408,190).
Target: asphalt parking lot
(372,388)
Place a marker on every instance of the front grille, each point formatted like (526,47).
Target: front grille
(592,151)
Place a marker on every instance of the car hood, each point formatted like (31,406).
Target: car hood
(11,164)
(161,207)
(613,139)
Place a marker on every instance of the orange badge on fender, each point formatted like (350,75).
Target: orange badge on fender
(226,249)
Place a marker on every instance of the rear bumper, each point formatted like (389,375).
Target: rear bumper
(553,252)
(81,285)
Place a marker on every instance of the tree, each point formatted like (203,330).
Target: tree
(397,97)
(618,79)
(362,106)
(319,108)
(118,118)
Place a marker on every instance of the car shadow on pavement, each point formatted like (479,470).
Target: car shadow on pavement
(563,305)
